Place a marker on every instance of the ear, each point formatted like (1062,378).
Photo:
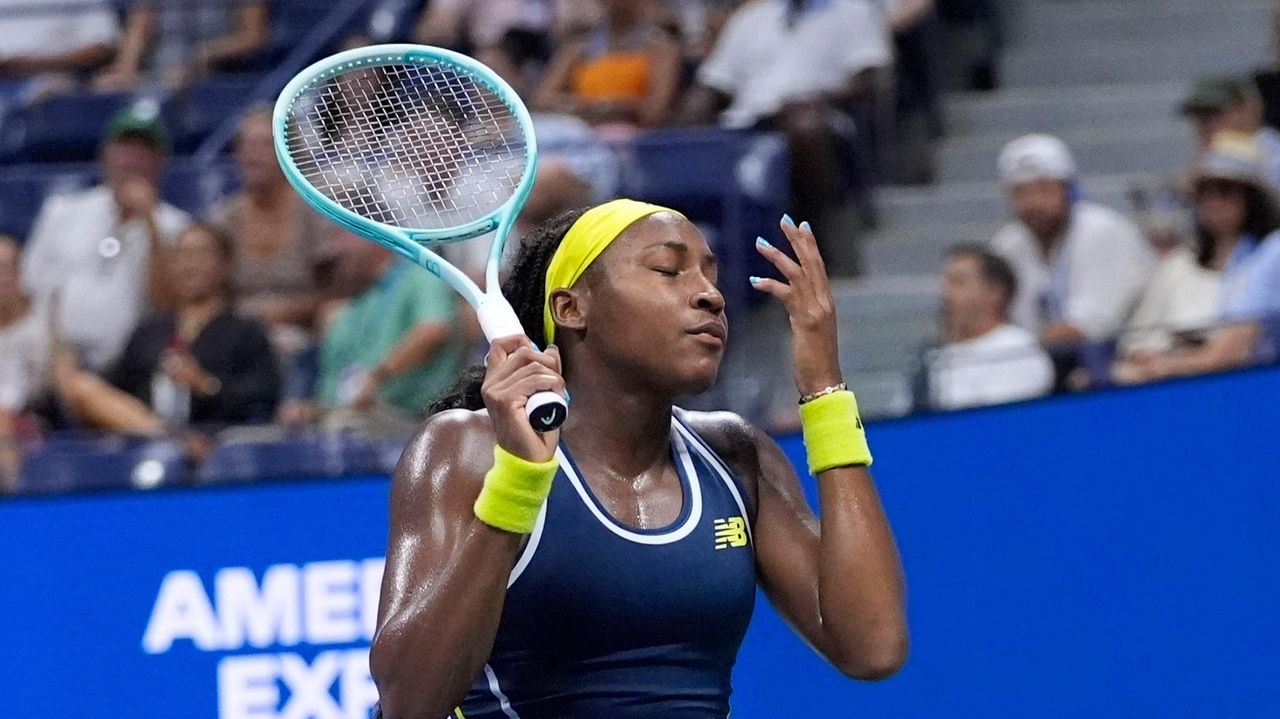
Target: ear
(569,308)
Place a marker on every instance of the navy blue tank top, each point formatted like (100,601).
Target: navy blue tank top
(604,620)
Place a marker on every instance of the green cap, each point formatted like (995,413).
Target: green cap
(141,119)
(1211,95)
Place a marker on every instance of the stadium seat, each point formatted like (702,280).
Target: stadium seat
(203,107)
(312,455)
(71,463)
(735,181)
(26,186)
(196,187)
(63,128)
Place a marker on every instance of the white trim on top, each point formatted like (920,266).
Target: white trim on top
(503,703)
(718,465)
(531,546)
(675,535)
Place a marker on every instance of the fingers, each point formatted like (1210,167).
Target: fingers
(516,370)
(806,273)
(781,290)
(789,267)
(803,242)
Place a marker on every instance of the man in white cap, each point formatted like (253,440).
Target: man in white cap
(1080,266)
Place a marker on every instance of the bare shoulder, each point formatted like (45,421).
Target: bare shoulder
(450,451)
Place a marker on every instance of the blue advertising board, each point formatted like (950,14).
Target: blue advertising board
(1109,555)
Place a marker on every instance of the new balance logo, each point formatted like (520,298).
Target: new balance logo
(731,532)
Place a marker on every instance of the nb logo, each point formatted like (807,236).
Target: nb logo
(731,532)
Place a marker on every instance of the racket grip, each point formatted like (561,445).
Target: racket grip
(546,411)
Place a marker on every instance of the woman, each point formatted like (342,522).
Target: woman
(624,72)
(1172,332)
(201,364)
(623,587)
(277,240)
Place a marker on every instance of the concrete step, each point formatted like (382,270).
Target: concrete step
(976,203)
(1116,62)
(918,247)
(1147,148)
(1182,23)
(1017,111)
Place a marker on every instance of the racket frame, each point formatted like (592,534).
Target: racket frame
(495,313)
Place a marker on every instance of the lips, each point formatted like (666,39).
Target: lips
(711,328)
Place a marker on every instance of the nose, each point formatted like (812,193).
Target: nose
(709,297)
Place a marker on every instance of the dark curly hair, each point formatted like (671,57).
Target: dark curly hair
(524,289)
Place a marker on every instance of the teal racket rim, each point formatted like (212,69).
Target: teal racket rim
(323,71)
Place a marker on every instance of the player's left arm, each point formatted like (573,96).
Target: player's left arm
(838,581)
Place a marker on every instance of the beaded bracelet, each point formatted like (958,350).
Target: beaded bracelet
(823,392)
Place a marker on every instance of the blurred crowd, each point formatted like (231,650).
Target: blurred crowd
(1071,294)
(123,313)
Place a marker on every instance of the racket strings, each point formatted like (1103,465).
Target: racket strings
(412,146)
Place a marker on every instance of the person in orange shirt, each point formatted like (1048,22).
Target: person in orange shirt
(624,71)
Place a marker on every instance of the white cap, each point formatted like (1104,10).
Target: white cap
(1036,157)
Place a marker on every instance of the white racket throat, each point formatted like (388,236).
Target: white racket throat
(497,318)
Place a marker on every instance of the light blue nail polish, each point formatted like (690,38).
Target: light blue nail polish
(805,226)
(787,219)
(763,242)
(755,280)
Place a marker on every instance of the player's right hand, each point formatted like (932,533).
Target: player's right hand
(514,371)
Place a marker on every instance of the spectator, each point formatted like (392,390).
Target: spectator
(176,43)
(24,358)
(806,68)
(1238,216)
(698,23)
(625,71)
(917,110)
(985,359)
(1164,220)
(202,364)
(24,341)
(1219,104)
(514,37)
(975,36)
(391,349)
(35,40)
(101,247)
(277,240)
(1080,266)
(1267,80)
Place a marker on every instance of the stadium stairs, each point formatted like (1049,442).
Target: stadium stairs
(1106,76)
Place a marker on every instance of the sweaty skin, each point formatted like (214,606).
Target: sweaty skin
(644,326)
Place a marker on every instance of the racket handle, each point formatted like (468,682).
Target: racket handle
(546,410)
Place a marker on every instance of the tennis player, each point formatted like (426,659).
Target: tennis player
(609,569)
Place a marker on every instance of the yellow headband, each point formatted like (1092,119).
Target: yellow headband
(583,243)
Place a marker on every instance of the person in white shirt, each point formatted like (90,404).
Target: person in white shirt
(92,260)
(985,359)
(1081,267)
(37,37)
(806,68)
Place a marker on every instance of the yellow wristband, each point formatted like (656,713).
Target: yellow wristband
(833,433)
(514,491)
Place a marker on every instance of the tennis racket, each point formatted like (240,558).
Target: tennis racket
(410,146)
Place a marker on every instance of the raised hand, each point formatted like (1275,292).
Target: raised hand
(806,294)
(515,371)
